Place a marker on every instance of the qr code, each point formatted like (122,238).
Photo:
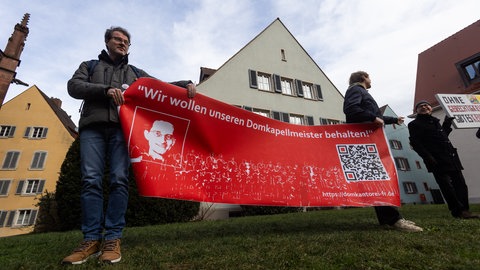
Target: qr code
(361,162)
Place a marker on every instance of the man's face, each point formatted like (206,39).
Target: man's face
(424,108)
(368,82)
(118,45)
(160,138)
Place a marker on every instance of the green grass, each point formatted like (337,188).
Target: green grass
(326,239)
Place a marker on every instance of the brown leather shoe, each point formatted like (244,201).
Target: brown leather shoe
(468,215)
(111,251)
(85,250)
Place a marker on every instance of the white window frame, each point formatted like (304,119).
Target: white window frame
(307,90)
(296,119)
(402,164)
(31,186)
(287,86)
(327,121)
(6,131)
(36,132)
(396,144)
(23,217)
(261,112)
(264,82)
(410,187)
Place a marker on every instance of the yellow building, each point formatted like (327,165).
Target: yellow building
(35,135)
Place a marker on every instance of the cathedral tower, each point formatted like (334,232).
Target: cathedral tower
(10,57)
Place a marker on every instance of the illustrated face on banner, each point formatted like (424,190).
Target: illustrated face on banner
(160,138)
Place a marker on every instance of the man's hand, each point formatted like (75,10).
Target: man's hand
(191,90)
(400,120)
(117,96)
(378,122)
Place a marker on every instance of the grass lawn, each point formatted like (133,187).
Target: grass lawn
(325,239)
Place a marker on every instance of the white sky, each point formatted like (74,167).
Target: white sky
(171,39)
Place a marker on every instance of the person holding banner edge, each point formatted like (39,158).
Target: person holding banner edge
(430,140)
(101,140)
(360,107)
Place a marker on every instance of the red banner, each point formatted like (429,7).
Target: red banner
(205,150)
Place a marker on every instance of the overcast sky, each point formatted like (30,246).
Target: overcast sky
(171,40)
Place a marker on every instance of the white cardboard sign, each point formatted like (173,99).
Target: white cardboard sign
(465,109)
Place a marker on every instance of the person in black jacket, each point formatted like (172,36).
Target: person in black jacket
(101,139)
(430,140)
(360,107)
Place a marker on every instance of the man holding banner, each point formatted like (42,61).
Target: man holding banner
(101,88)
(360,107)
(430,140)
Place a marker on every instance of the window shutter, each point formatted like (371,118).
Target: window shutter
(40,187)
(11,132)
(310,120)
(285,118)
(298,83)
(252,75)
(33,216)
(4,187)
(41,161)
(319,92)
(276,115)
(11,216)
(27,132)
(36,157)
(44,132)
(20,187)
(3,216)
(278,83)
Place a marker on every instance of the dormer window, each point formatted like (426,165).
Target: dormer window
(469,70)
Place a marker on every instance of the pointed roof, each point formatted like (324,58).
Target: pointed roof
(260,34)
(55,104)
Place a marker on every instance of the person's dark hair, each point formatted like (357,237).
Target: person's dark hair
(357,77)
(109,31)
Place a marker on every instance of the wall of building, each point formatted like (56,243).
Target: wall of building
(424,181)
(30,109)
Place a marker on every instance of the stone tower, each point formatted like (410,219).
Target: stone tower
(10,57)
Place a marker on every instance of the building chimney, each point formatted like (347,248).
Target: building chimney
(57,102)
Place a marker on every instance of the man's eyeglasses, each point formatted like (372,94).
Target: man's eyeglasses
(121,40)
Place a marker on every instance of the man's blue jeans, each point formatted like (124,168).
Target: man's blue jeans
(97,145)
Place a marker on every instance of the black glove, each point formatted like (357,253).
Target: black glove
(448,119)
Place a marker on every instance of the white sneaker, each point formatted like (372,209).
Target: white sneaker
(407,226)
(409,222)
